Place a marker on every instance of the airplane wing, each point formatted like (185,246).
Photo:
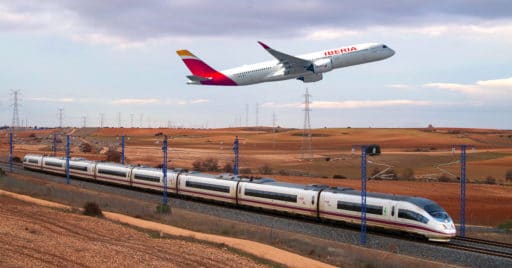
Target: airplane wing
(291,63)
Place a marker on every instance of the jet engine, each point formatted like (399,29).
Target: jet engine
(310,78)
(321,66)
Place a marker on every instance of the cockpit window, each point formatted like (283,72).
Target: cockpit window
(384,46)
(437,212)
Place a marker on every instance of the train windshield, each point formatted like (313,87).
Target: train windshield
(437,212)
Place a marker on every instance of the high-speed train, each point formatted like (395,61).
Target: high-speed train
(413,215)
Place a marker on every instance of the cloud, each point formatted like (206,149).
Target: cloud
(399,86)
(135,101)
(199,101)
(47,99)
(493,89)
(185,102)
(135,23)
(351,104)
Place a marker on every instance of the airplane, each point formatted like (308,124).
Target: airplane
(307,68)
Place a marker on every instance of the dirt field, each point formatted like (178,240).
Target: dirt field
(419,158)
(36,236)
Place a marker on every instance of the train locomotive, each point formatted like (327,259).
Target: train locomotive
(412,215)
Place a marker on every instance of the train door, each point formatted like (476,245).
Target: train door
(393,211)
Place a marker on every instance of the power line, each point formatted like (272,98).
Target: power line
(257,114)
(15,115)
(246,115)
(60,117)
(102,119)
(307,152)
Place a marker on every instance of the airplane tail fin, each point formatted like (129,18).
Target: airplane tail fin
(196,65)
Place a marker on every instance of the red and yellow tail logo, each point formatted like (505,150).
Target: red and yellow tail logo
(203,70)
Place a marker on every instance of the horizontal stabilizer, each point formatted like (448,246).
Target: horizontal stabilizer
(196,78)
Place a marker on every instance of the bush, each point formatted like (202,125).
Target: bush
(227,168)
(209,164)
(336,176)
(245,171)
(265,169)
(92,209)
(197,165)
(85,147)
(490,180)
(16,159)
(508,175)
(283,172)
(445,178)
(112,155)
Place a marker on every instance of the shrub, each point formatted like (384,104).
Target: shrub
(92,209)
(112,155)
(490,180)
(16,159)
(508,175)
(265,169)
(444,178)
(227,168)
(336,176)
(197,165)
(283,172)
(210,164)
(245,171)
(85,147)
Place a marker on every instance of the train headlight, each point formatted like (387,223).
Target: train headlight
(445,227)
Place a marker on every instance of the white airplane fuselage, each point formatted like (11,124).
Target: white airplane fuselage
(307,67)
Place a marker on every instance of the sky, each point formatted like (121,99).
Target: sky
(117,60)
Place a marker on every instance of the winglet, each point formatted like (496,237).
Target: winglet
(263,45)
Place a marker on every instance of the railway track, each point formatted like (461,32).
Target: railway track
(487,247)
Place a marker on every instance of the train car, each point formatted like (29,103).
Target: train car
(114,173)
(152,178)
(391,212)
(279,196)
(54,164)
(206,186)
(79,167)
(33,161)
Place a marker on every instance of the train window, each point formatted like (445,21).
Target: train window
(33,161)
(81,168)
(371,209)
(411,215)
(53,164)
(144,177)
(207,186)
(271,195)
(112,172)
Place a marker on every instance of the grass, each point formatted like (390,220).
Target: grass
(159,235)
(506,226)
